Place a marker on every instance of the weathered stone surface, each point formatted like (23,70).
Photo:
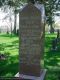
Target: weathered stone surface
(31,34)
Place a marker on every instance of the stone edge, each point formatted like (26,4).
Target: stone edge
(32,77)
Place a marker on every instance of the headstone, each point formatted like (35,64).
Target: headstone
(31,32)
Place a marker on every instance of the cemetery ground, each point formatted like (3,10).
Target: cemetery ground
(9,46)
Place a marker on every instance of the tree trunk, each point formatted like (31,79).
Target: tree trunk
(15,17)
(11,23)
(51,28)
(11,28)
(51,23)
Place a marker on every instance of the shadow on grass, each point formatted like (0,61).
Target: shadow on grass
(8,35)
(16,41)
(4,45)
(10,66)
(52,75)
(12,45)
(52,59)
(48,41)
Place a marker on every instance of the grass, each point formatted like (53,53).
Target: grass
(52,58)
(10,66)
(9,46)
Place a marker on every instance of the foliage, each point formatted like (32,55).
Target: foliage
(50,7)
(1,2)
(15,4)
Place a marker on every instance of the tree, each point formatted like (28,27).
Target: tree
(50,7)
(1,2)
(14,4)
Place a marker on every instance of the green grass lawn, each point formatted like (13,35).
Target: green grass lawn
(9,46)
(10,66)
(52,58)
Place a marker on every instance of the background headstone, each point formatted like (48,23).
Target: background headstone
(31,32)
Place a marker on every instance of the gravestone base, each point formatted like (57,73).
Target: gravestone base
(28,77)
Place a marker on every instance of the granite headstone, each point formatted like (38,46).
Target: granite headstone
(31,39)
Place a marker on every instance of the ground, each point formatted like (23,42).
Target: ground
(10,47)
(52,58)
